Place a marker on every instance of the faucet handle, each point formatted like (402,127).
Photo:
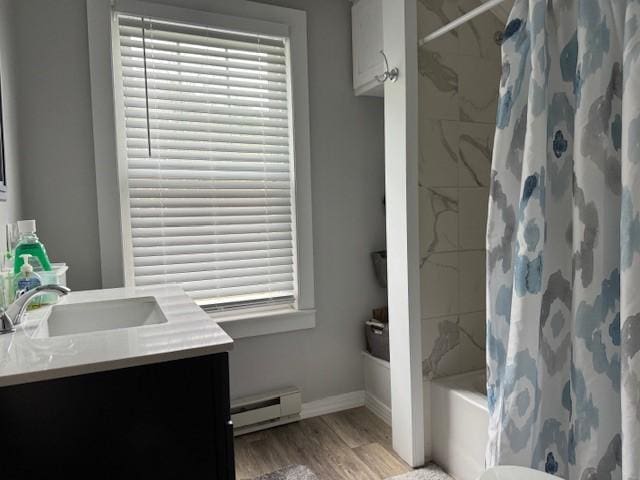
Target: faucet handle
(6,325)
(19,293)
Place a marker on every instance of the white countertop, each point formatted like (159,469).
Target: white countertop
(26,356)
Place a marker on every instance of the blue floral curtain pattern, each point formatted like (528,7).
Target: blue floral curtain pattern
(563,242)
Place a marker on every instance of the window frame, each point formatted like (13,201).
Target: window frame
(110,160)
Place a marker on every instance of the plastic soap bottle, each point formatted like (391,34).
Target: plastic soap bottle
(28,243)
(27,279)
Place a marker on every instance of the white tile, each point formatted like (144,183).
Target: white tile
(438,220)
(470,354)
(475,147)
(453,344)
(439,284)
(478,85)
(477,36)
(433,15)
(440,338)
(472,217)
(438,85)
(472,281)
(438,153)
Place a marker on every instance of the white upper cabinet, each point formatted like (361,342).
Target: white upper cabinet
(366,31)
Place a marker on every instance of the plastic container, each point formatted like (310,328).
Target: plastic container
(5,288)
(57,276)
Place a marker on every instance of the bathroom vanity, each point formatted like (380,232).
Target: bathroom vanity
(118,383)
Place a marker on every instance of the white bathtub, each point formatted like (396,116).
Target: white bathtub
(459,423)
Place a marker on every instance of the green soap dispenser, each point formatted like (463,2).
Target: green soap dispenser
(28,243)
(27,279)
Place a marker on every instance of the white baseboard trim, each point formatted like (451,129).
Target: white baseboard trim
(377,407)
(333,404)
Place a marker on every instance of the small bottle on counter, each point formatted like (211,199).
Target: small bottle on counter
(27,279)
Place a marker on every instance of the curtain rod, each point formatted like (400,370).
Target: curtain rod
(488,5)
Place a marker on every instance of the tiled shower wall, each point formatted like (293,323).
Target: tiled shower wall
(458,90)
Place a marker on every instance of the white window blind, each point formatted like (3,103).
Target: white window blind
(208,161)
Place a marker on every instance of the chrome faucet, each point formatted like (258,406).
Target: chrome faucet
(13,314)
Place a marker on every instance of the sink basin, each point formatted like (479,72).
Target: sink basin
(88,317)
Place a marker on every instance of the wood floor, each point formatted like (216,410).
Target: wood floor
(348,445)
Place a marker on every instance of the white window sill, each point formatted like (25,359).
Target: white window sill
(264,321)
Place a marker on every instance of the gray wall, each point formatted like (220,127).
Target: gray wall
(347,187)
(9,209)
(55,133)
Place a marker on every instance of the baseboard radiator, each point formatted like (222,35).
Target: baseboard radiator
(267,410)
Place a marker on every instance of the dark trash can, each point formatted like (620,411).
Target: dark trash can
(377,336)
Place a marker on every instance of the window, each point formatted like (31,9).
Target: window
(200,179)
(208,161)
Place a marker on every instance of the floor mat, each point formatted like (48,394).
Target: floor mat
(292,472)
(430,472)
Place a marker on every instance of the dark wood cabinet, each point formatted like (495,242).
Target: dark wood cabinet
(166,420)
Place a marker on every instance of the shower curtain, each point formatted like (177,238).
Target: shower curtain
(563,242)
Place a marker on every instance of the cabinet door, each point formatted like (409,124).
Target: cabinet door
(163,421)
(366,30)
(222,417)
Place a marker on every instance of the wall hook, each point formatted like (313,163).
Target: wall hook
(391,75)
